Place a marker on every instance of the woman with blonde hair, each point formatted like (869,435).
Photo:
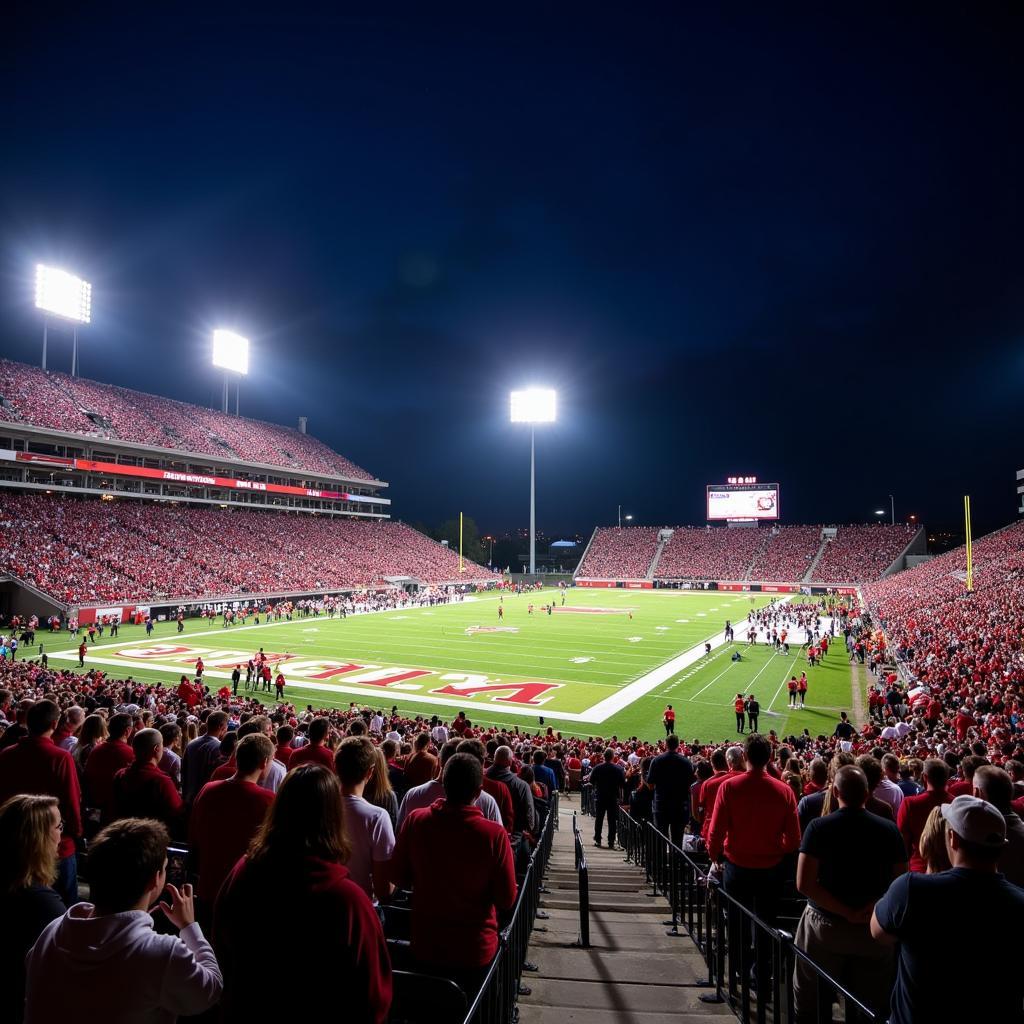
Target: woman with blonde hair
(94,731)
(297,860)
(378,790)
(932,843)
(30,832)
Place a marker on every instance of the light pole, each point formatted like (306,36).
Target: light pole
(66,296)
(533,406)
(892,510)
(627,517)
(231,354)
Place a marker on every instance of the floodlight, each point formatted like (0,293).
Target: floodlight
(879,511)
(535,405)
(230,351)
(63,294)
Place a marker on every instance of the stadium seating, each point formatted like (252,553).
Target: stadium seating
(787,555)
(862,553)
(72,404)
(716,553)
(617,553)
(80,550)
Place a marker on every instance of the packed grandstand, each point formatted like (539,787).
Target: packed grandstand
(945,668)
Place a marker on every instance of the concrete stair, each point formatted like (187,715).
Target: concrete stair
(634,972)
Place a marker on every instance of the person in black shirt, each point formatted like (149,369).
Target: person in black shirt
(608,780)
(844,730)
(671,776)
(847,861)
(753,710)
(973,901)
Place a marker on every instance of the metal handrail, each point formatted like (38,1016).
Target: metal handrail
(583,942)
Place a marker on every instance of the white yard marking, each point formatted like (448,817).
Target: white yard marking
(580,661)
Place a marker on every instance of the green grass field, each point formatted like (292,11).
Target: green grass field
(605,663)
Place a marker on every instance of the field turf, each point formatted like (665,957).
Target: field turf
(605,663)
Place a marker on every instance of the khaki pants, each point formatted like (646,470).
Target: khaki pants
(846,951)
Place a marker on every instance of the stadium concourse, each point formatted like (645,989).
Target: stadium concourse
(933,776)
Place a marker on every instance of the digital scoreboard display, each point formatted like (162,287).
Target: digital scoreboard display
(742,502)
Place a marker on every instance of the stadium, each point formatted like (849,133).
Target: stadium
(273,741)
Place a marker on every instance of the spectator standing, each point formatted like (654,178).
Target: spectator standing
(920,912)
(422,765)
(334,935)
(671,775)
(170,763)
(609,782)
(143,791)
(497,791)
(995,786)
(227,815)
(109,945)
(371,838)
(524,815)
(106,760)
(430,792)
(914,810)
(847,861)
(37,766)
(455,928)
(316,750)
(202,756)
(734,765)
(754,828)
(30,833)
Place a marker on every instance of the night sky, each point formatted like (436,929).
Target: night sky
(785,243)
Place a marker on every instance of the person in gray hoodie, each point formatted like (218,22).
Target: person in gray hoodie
(110,946)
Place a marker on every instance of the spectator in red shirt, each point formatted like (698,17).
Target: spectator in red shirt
(36,766)
(455,928)
(143,791)
(298,855)
(105,761)
(914,810)
(284,749)
(422,765)
(498,790)
(733,758)
(754,827)
(316,750)
(226,816)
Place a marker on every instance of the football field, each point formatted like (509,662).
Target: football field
(605,663)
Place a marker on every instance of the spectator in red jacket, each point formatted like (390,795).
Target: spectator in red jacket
(316,750)
(142,790)
(297,859)
(37,766)
(914,810)
(226,816)
(455,928)
(754,826)
(284,750)
(105,761)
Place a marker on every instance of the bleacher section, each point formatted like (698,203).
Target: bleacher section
(781,554)
(86,551)
(56,401)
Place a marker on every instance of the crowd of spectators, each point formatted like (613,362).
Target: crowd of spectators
(788,554)
(620,553)
(710,553)
(860,554)
(777,554)
(46,398)
(81,550)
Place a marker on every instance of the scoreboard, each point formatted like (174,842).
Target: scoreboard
(743,499)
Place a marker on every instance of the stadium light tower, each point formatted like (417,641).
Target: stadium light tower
(231,354)
(621,517)
(62,294)
(533,406)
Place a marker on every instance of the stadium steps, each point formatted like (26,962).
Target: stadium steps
(809,575)
(656,559)
(633,972)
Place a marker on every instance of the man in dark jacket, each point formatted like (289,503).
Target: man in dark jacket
(671,776)
(523,813)
(609,781)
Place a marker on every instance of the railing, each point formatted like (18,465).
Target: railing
(750,962)
(584,886)
(495,1003)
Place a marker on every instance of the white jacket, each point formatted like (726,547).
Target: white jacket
(118,965)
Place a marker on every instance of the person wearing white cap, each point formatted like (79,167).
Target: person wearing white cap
(973,901)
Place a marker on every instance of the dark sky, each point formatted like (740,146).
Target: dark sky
(784,243)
